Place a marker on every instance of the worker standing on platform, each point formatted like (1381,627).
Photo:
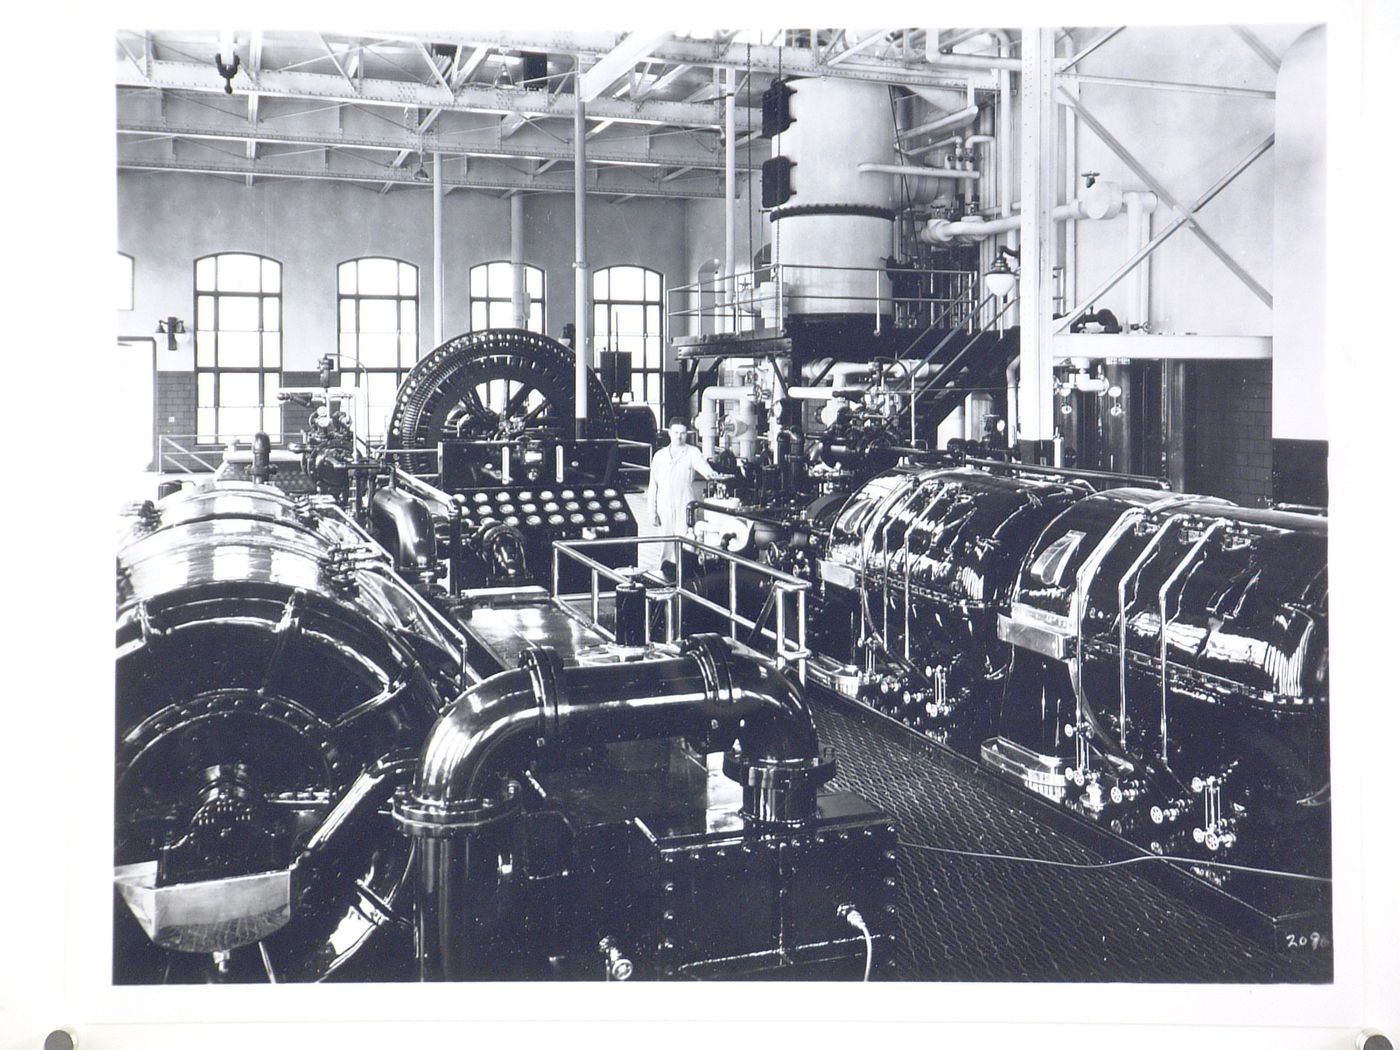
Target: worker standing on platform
(670,491)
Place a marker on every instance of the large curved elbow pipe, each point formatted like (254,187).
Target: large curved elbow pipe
(708,693)
(405,525)
(463,818)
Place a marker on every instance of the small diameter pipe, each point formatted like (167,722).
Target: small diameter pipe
(918,171)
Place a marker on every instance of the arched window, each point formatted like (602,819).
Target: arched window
(237,346)
(126,281)
(377,302)
(627,318)
(490,287)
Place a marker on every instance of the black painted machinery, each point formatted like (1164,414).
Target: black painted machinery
(319,777)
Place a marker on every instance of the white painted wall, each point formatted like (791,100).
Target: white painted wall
(167,220)
(1187,141)
(1300,236)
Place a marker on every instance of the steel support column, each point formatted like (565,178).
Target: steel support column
(1038,177)
(519,295)
(439,284)
(731,80)
(581,310)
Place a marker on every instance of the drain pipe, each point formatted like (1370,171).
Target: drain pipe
(1013,389)
(918,171)
(464,817)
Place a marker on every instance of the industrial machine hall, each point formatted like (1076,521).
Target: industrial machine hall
(721,505)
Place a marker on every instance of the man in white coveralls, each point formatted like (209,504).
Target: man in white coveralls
(673,471)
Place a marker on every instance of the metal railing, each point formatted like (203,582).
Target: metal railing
(762,299)
(199,453)
(789,631)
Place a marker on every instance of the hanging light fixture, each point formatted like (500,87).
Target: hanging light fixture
(422,173)
(1000,278)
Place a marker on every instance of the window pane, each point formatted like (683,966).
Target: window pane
(239,350)
(626,282)
(204,312)
(600,321)
(272,422)
(534,282)
(125,271)
(653,320)
(478,316)
(347,315)
(534,321)
(500,278)
(408,350)
(347,350)
(379,315)
(238,313)
(501,314)
(347,278)
(653,285)
(379,277)
(378,350)
(653,353)
(627,320)
(639,390)
(204,349)
(272,382)
(271,275)
(239,389)
(408,315)
(272,350)
(239,423)
(204,426)
(408,279)
(272,313)
(206,389)
(239,273)
(204,280)
(600,284)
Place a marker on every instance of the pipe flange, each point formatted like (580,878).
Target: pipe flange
(425,818)
(869,211)
(780,793)
(711,655)
(546,668)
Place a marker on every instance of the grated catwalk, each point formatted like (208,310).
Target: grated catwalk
(976,919)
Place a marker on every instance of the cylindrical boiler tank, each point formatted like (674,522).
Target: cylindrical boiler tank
(832,235)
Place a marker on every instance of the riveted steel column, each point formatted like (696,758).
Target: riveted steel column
(439,284)
(731,83)
(582,342)
(1038,176)
(519,295)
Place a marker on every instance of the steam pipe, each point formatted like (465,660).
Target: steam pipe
(404,523)
(468,840)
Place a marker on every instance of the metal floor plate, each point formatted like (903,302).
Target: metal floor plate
(978,919)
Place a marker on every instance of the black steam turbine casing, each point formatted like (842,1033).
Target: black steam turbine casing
(924,561)
(1198,721)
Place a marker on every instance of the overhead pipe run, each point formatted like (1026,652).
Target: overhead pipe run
(918,171)
(1103,200)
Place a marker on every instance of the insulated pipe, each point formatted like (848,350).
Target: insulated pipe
(1013,387)
(707,422)
(918,171)
(581,311)
(840,373)
(1097,207)
(957,119)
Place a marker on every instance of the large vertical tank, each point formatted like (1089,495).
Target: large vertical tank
(836,217)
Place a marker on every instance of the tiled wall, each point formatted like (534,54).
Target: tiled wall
(175,404)
(1229,446)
